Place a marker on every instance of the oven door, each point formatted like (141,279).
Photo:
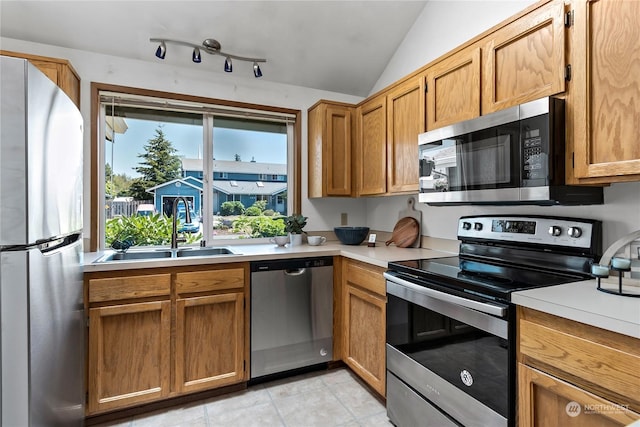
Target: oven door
(452,351)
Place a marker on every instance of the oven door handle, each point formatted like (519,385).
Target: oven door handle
(496,310)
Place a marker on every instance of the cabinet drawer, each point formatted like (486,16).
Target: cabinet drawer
(128,287)
(367,277)
(595,359)
(209,280)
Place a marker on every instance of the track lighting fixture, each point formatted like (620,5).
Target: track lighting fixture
(196,56)
(212,47)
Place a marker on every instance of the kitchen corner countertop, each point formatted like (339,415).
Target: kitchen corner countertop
(380,255)
(582,302)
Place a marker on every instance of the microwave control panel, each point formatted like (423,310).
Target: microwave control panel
(534,157)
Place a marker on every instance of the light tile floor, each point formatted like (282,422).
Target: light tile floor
(325,398)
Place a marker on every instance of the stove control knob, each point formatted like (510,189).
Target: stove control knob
(466,225)
(555,231)
(477,226)
(574,232)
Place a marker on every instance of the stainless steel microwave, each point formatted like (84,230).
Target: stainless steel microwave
(512,156)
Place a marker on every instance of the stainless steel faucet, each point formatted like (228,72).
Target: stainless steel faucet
(174,217)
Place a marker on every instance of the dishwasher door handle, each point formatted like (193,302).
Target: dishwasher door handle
(295,271)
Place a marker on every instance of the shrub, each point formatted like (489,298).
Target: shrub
(269,212)
(258,226)
(260,204)
(232,208)
(253,211)
(143,230)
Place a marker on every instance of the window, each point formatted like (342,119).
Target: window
(158,150)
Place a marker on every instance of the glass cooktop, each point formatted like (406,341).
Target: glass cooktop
(477,277)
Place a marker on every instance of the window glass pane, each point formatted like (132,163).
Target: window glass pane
(145,152)
(250,178)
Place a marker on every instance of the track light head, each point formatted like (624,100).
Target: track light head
(196,56)
(256,70)
(228,66)
(161,51)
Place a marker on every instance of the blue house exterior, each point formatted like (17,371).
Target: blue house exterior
(246,182)
(163,194)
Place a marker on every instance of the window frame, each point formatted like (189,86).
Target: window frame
(97,170)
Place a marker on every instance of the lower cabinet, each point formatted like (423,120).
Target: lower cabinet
(208,356)
(364,313)
(128,354)
(572,374)
(161,333)
(548,401)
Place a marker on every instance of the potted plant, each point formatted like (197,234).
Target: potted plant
(293,224)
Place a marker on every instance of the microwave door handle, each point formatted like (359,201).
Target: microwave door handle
(483,307)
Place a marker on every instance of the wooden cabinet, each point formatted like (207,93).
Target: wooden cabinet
(164,333)
(574,374)
(525,59)
(453,89)
(129,341)
(330,145)
(371,154)
(549,401)
(387,148)
(59,71)
(364,311)
(605,91)
(209,329)
(405,121)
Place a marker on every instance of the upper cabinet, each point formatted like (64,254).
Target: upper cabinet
(330,139)
(604,100)
(371,152)
(386,156)
(59,71)
(524,60)
(405,121)
(453,89)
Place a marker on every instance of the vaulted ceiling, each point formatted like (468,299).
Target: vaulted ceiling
(340,46)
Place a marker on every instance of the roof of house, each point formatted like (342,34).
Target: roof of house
(249,187)
(231,166)
(191,182)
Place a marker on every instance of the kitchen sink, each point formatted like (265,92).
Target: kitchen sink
(164,253)
(205,252)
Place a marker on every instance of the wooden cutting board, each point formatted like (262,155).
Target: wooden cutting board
(410,211)
(405,232)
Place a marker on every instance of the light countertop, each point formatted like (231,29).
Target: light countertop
(582,302)
(380,255)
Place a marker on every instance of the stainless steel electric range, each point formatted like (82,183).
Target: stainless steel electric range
(451,324)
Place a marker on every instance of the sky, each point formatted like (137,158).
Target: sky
(187,139)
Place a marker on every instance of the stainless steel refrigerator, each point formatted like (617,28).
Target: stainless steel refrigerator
(42,334)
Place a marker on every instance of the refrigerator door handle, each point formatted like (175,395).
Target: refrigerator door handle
(55,245)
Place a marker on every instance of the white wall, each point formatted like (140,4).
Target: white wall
(323,214)
(442,26)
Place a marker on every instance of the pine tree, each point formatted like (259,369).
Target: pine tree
(158,166)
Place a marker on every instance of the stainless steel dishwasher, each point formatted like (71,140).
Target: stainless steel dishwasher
(291,314)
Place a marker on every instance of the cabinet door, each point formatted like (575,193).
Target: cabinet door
(545,401)
(128,354)
(606,91)
(209,342)
(453,89)
(525,60)
(371,157)
(364,329)
(405,121)
(337,151)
